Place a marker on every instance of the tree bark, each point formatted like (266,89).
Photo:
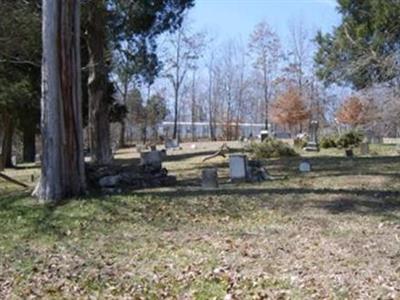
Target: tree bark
(28,140)
(176,105)
(6,146)
(122,142)
(99,126)
(62,173)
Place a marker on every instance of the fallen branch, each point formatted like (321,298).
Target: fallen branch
(223,150)
(12,180)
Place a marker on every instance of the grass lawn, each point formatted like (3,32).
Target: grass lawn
(333,233)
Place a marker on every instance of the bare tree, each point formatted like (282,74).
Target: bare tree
(300,50)
(264,47)
(210,98)
(184,50)
(62,172)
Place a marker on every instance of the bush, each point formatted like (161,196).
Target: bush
(300,143)
(328,142)
(270,148)
(350,139)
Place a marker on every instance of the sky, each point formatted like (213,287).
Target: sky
(236,18)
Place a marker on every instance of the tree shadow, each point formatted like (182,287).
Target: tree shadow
(165,208)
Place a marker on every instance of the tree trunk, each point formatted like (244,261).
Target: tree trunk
(28,140)
(122,142)
(266,103)
(144,133)
(6,146)
(176,103)
(99,126)
(62,173)
(193,108)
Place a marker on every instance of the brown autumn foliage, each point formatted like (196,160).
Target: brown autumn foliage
(290,109)
(352,112)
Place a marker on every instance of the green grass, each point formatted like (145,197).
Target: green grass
(333,233)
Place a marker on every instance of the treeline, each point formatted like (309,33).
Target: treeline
(286,83)
(117,52)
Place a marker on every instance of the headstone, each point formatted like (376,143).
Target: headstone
(172,144)
(238,167)
(364,148)
(151,161)
(349,152)
(305,166)
(312,143)
(264,135)
(14,160)
(209,178)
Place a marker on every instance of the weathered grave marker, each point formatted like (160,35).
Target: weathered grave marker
(312,143)
(238,167)
(305,166)
(209,178)
(151,161)
(172,144)
(349,152)
(364,148)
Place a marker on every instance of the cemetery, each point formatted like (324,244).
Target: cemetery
(316,227)
(199,149)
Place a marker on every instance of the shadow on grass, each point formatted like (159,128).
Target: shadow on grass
(171,209)
(168,209)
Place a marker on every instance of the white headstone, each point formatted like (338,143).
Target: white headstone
(238,167)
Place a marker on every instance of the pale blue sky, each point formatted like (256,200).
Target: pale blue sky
(236,18)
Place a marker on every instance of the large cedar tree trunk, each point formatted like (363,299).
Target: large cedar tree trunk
(62,173)
(99,126)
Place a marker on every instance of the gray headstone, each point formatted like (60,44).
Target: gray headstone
(151,161)
(305,166)
(349,153)
(209,178)
(312,143)
(238,167)
(172,144)
(364,148)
